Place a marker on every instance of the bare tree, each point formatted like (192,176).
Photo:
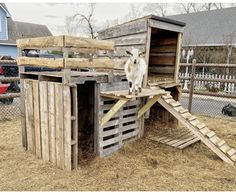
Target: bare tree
(159,9)
(230,43)
(135,12)
(88,19)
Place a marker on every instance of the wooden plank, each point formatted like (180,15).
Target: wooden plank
(128,127)
(205,140)
(210,134)
(105,63)
(133,27)
(29,115)
(231,152)
(67,126)
(113,110)
(44,119)
(52,121)
(23,113)
(82,42)
(134,40)
(120,51)
(39,62)
(215,139)
(163,49)
(148,105)
(161,69)
(177,59)
(189,142)
(75,127)
(204,130)
(109,132)
(165,26)
(59,126)
(110,141)
(162,60)
(37,129)
(225,148)
(40,42)
(129,135)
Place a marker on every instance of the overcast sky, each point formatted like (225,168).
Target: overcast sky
(53,15)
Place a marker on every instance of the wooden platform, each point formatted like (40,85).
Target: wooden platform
(179,139)
(124,93)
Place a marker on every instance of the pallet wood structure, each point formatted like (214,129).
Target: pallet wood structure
(69,114)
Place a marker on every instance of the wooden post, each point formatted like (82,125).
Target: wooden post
(66,71)
(21,69)
(191,86)
(177,58)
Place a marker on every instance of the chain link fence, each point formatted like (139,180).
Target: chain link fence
(213,91)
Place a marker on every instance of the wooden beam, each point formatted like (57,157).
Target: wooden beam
(112,111)
(58,42)
(42,62)
(81,42)
(148,105)
(177,59)
(105,63)
(40,42)
(165,26)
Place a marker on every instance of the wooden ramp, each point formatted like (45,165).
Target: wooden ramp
(200,130)
(178,139)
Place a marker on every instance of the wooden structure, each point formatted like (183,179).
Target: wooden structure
(69,116)
(160,40)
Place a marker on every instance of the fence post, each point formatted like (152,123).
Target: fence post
(191,88)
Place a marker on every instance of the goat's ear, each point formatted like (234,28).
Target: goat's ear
(141,53)
(128,52)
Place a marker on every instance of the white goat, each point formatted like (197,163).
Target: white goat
(135,69)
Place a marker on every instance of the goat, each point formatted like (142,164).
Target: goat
(135,69)
(229,110)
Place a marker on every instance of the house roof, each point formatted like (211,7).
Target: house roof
(4,7)
(209,28)
(19,30)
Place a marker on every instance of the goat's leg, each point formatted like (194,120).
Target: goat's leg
(130,87)
(140,85)
(136,86)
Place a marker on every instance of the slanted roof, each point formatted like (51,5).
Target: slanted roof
(19,30)
(208,28)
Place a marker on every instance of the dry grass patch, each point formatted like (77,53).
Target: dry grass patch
(141,165)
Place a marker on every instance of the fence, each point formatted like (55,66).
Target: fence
(208,92)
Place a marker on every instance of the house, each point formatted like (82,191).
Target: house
(211,34)
(11,30)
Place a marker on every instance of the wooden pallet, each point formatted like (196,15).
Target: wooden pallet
(51,123)
(178,139)
(200,130)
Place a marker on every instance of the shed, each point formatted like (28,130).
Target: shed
(159,38)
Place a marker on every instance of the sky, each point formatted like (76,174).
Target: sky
(53,14)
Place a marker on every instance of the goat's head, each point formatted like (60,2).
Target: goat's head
(134,55)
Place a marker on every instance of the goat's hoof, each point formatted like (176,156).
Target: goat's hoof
(136,92)
(130,93)
(140,89)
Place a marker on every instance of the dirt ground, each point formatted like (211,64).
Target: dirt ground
(139,166)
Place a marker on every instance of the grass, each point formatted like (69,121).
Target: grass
(141,165)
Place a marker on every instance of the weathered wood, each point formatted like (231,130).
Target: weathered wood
(59,126)
(164,25)
(23,116)
(52,121)
(104,63)
(128,40)
(40,42)
(44,119)
(46,62)
(37,128)
(75,127)
(163,49)
(177,59)
(148,105)
(164,41)
(123,94)
(120,51)
(81,42)
(29,113)
(10,95)
(67,126)
(63,41)
(162,69)
(134,27)
(113,110)
(162,60)
(205,140)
